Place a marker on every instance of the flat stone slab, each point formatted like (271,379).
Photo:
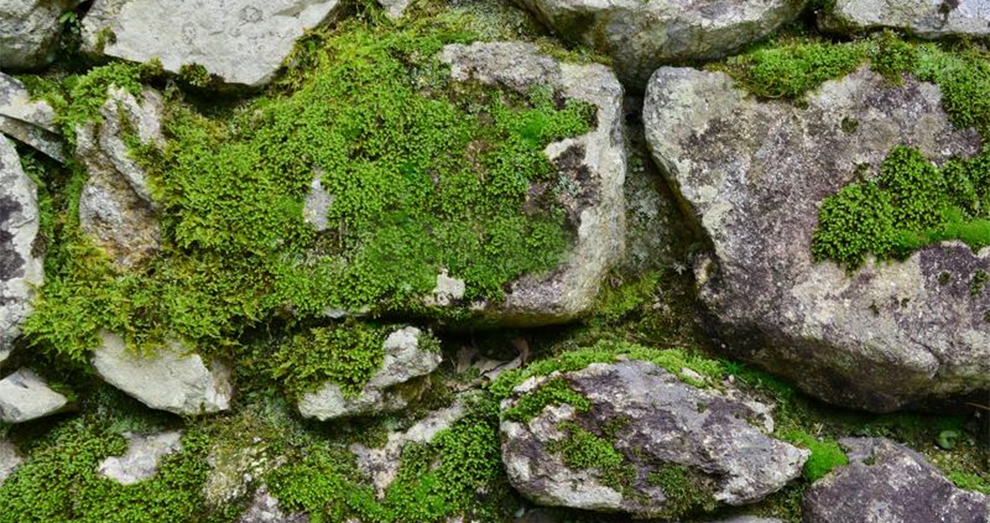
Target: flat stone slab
(25,396)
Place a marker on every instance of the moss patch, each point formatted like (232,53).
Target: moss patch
(582,449)
(686,492)
(556,391)
(825,454)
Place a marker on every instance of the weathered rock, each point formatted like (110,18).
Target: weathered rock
(886,482)
(754,174)
(922,18)
(116,207)
(234,468)
(29,30)
(25,396)
(661,427)
(264,509)
(240,42)
(9,459)
(172,379)
(31,122)
(21,267)
(394,8)
(595,163)
(141,460)
(641,35)
(317,204)
(749,519)
(404,361)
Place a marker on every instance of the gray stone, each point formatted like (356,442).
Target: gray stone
(317,204)
(264,509)
(143,455)
(753,175)
(29,30)
(9,460)
(172,379)
(641,35)
(21,267)
(655,421)
(241,42)
(748,519)
(31,122)
(886,482)
(594,164)
(24,396)
(116,208)
(404,360)
(394,8)
(922,18)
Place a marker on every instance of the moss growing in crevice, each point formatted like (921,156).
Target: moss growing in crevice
(556,391)
(825,454)
(685,491)
(582,449)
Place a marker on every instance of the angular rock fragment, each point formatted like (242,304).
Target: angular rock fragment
(922,18)
(31,122)
(143,455)
(25,396)
(29,30)
(9,459)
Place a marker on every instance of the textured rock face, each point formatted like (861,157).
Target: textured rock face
(923,18)
(9,459)
(142,457)
(595,163)
(115,207)
(754,175)
(31,122)
(241,42)
(29,30)
(171,380)
(24,396)
(886,482)
(404,361)
(21,268)
(657,423)
(264,509)
(642,35)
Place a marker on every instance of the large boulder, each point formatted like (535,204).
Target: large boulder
(25,396)
(594,163)
(31,122)
(141,459)
(29,30)
(753,174)
(21,265)
(405,360)
(116,208)
(641,35)
(886,482)
(240,42)
(922,18)
(632,437)
(172,379)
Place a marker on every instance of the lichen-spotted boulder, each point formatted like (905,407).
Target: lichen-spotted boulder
(240,42)
(632,437)
(641,35)
(592,165)
(29,31)
(21,265)
(886,482)
(922,18)
(754,174)
(172,379)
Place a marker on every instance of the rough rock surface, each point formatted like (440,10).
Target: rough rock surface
(21,268)
(142,457)
(264,509)
(754,175)
(172,379)
(748,519)
(886,482)
(656,421)
(116,207)
(9,459)
(241,42)
(404,361)
(24,396)
(641,35)
(594,162)
(31,122)
(29,30)
(922,18)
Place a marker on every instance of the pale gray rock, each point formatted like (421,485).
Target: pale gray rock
(655,421)
(29,30)
(9,459)
(641,35)
(886,482)
(594,164)
(172,379)
(25,396)
(264,509)
(240,42)
(753,175)
(922,18)
(21,267)
(404,360)
(31,122)
(394,8)
(317,204)
(116,208)
(144,453)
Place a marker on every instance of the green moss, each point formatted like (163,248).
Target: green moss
(196,76)
(556,391)
(582,449)
(825,454)
(686,492)
(980,279)
(970,481)
(615,303)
